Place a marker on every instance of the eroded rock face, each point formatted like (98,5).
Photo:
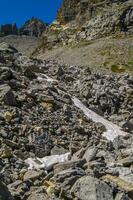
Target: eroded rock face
(94,12)
(88,20)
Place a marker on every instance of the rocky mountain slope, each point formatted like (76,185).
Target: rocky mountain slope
(107,55)
(40,117)
(88,20)
(93,33)
(66,125)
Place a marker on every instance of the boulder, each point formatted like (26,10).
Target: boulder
(65,179)
(122,184)
(36,196)
(4,192)
(31,175)
(7,96)
(90,188)
(4,47)
(5,73)
(90,154)
(69,164)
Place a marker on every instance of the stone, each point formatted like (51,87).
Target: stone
(37,141)
(36,196)
(65,179)
(4,192)
(90,154)
(3,133)
(5,73)
(5,152)
(7,96)
(90,188)
(70,164)
(10,143)
(29,73)
(50,187)
(128,126)
(122,196)
(120,183)
(8,116)
(126,161)
(47,106)
(58,150)
(31,175)
(4,47)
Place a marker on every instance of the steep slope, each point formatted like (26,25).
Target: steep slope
(94,33)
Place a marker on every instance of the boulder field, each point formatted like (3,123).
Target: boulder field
(40,121)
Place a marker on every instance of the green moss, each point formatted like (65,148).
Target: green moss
(117,69)
(130,63)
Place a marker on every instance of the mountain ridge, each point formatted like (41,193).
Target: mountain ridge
(32,27)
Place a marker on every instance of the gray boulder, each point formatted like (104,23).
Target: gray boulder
(90,188)
(65,180)
(4,192)
(7,96)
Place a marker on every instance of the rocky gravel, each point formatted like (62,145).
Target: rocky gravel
(38,119)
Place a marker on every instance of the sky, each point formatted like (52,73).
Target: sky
(19,11)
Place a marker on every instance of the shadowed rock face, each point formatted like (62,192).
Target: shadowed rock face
(68,10)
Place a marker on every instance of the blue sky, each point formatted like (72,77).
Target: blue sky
(19,11)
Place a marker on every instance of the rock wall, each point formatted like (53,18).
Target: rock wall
(88,20)
(82,11)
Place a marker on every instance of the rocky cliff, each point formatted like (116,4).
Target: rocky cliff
(87,20)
